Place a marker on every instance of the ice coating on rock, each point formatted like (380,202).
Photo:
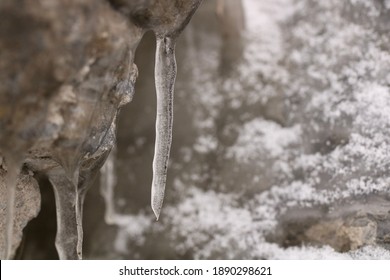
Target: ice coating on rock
(165,75)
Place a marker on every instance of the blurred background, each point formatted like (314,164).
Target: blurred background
(280,146)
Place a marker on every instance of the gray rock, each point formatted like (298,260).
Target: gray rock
(28,204)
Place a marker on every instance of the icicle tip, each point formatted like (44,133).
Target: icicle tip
(156,204)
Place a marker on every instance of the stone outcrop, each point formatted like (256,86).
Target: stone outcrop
(66,68)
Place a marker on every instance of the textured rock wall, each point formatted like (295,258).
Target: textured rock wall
(66,68)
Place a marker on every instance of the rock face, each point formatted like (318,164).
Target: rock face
(346,227)
(66,67)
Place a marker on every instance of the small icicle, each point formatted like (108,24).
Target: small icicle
(107,184)
(11,181)
(69,230)
(165,75)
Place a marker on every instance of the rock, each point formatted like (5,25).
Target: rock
(346,227)
(28,204)
(343,236)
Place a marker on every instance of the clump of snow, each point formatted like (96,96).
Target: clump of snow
(209,214)
(260,137)
(370,253)
(205,144)
(131,228)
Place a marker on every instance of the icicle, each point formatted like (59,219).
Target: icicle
(165,74)
(13,165)
(70,194)
(71,166)
(68,217)
(107,185)
(11,179)
(87,176)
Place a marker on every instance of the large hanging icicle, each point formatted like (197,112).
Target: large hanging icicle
(165,75)
(167,19)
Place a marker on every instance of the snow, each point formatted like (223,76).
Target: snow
(265,138)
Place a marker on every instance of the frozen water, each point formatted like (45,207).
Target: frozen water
(69,230)
(11,178)
(165,75)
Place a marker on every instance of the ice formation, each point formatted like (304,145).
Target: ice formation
(10,181)
(167,24)
(165,74)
